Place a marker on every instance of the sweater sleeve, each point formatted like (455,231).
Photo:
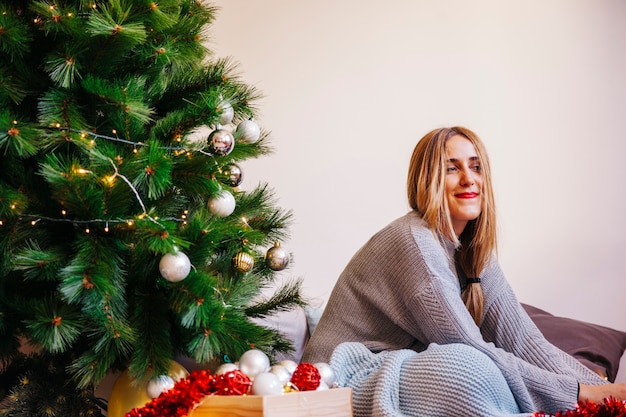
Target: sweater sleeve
(508,326)
(436,314)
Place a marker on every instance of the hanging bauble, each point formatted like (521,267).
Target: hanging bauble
(276,258)
(223,204)
(231,174)
(248,131)
(126,394)
(253,362)
(159,384)
(266,383)
(175,266)
(221,142)
(226,112)
(243,262)
(326,373)
(281,372)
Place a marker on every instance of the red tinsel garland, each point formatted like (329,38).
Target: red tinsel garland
(188,392)
(609,408)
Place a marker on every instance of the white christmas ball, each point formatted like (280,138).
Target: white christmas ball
(223,204)
(266,383)
(322,386)
(281,372)
(226,368)
(175,266)
(226,112)
(248,131)
(158,385)
(253,362)
(326,373)
(289,365)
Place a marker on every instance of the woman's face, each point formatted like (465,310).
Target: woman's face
(464,182)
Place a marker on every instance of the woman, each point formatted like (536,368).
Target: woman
(422,320)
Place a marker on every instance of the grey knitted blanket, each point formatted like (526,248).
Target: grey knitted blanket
(444,380)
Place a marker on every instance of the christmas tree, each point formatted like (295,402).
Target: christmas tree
(124,237)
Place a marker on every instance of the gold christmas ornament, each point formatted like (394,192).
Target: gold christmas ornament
(277,258)
(243,262)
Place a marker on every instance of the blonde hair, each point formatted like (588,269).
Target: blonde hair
(426,194)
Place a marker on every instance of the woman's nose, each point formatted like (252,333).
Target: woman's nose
(468,177)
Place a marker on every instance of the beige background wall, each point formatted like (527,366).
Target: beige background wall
(351,85)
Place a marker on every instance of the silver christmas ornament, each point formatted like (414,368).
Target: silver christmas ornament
(223,204)
(276,258)
(221,142)
(158,385)
(231,175)
(254,362)
(175,266)
(248,131)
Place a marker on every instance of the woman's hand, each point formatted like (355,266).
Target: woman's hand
(597,393)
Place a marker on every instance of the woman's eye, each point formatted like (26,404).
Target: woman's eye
(451,169)
(476,168)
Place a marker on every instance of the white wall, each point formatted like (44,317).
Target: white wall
(351,85)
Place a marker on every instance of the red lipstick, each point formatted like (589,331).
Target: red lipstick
(466,195)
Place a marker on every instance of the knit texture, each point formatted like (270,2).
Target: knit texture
(433,383)
(400,291)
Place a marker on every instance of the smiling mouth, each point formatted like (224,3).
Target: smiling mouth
(466,195)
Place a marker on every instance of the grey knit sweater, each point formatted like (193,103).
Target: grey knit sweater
(401,291)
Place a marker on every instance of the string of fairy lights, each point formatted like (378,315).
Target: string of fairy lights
(34,219)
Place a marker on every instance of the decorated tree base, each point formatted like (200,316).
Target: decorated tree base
(249,387)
